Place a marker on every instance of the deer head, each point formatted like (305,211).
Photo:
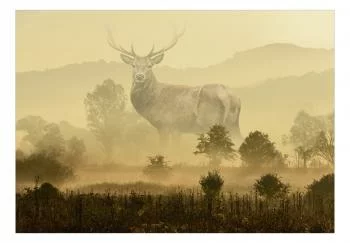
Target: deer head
(142,65)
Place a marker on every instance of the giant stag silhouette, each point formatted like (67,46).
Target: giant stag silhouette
(176,109)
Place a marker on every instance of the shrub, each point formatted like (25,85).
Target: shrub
(158,168)
(270,186)
(323,187)
(257,150)
(44,166)
(211,184)
(47,190)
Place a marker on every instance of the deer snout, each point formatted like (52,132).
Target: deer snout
(139,76)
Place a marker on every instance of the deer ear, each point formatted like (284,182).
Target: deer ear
(157,59)
(127,59)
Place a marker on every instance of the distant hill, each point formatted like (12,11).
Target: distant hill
(272,105)
(271,80)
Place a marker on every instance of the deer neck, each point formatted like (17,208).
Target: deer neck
(142,95)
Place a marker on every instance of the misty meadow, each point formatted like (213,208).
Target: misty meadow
(130,144)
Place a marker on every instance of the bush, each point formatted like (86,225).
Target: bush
(323,187)
(257,150)
(211,184)
(47,190)
(158,169)
(271,187)
(44,166)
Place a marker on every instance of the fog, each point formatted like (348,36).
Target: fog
(273,80)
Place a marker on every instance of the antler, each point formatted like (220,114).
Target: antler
(172,44)
(111,42)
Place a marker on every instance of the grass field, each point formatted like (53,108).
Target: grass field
(154,207)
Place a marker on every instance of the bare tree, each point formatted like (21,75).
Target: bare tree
(324,146)
(304,154)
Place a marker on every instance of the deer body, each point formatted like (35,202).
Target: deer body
(175,109)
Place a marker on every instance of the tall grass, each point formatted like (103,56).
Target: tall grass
(175,211)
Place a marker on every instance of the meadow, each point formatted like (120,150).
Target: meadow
(165,207)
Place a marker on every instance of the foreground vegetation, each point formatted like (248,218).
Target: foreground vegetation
(238,204)
(46,209)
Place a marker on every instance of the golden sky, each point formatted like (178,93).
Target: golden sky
(49,39)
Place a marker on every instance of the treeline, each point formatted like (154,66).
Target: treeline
(123,134)
(52,157)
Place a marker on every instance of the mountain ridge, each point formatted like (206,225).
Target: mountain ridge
(267,82)
(235,59)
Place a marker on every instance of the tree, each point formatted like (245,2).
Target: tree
(158,168)
(34,126)
(304,153)
(312,135)
(48,192)
(211,186)
(216,144)
(257,150)
(52,141)
(45,137)
(104,108)
(324,146)
(324,187)
(44,166)
(271,187)
(75,150)
(306,128)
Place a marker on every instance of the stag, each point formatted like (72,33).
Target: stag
(176,109)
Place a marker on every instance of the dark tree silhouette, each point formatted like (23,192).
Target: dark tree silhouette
(270,186)
(324,187)
(211,186)
(216,144)
(257,150)
(104,107)
(43,166)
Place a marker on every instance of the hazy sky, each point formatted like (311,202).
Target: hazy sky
(48,39)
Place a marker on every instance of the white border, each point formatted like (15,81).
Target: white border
(7,96)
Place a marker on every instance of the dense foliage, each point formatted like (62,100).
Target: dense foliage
(323,187)
(211,184)
(270,186)
(257,150)
(43,165)
(216,144)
